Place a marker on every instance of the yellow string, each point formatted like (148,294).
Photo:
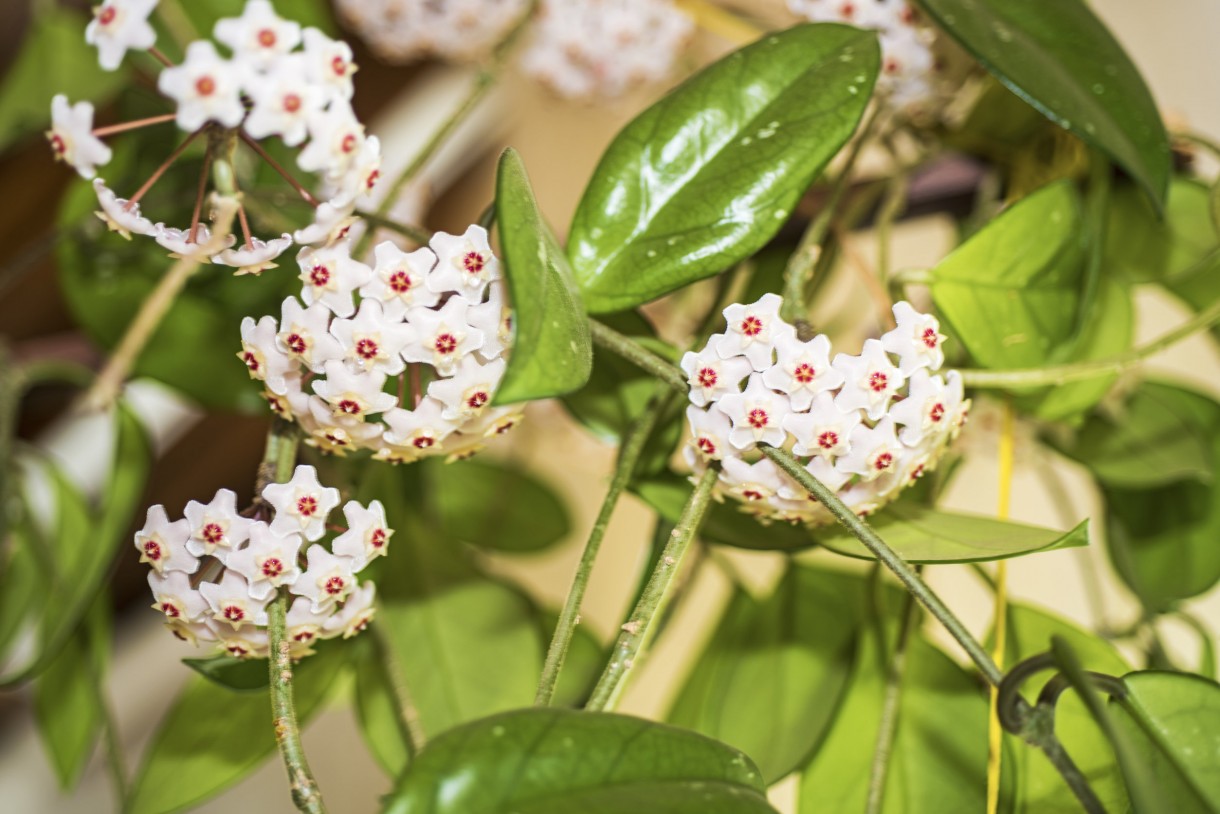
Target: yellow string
(994,733)
(720,22)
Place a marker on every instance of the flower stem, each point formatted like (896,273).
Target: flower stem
(106,386)
(1062,374)
(275,165)
(995,733)
(569,617)
(606,337)
(636,632)
(165,165)
(416,233)
(889,711)
(888,557)
(113,129)
(801,264)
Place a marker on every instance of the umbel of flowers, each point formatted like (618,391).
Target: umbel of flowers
(401,358)
(867,426)
(264,86)
(215,572)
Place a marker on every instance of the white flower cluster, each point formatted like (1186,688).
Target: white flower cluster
(407,372)
(266,87)
(590,48)
(215,572)
(865,426)
(907,58)
(405,30)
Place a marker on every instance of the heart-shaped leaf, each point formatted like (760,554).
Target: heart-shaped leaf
(706,176)
(925,535)
(1062,60)
(552,353)
(550,761)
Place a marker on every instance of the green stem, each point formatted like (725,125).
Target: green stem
(416,233)
(636,631)
(606,337)
(407,717)
(801,264)
(1062,374)
(110,730)
(569,617)
(889,711)
(888,557)
(278,464)
(910,276)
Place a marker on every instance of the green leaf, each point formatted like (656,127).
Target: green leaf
(1164,434)
(550,761)
(212,737)
(1109,328)
(377,708)
(492,506)
(724,524)
(939,756)
(54,58)
(771,678)
(1012,291)
(1172,723)
(921,534)
(706,176)
(1143,247)
(23,594)
(1062,60)
(552,352)
(66,695)
(1038,788)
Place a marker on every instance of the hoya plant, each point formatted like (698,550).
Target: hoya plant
(243,233)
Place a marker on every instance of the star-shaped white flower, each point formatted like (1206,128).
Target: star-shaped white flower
(363,173)
(826,474)
(262,356)
(120,215)
(421,429)
(304,627)
(916,341)
(335,432)
(205,87)
(825,430)
(162,544)
(247,643)
(302,504)
(119,26)
(328,64)
(232,604)
(256,256)
(803,369)
(185,242)
(464,263)
(283,100)
(367,536)
(259,36)
(494,319)
(398,279)
(441,337)
(354,394)
(756,482)
(332,222)
(330,276)
(469,392)
(174,597)
(217,525)
(72,139)
(371,341)
(269,562)
(870,380)
(928,409)
(710,429)
(355,614)
(305,334)
(712,376)
(752,331)
(327,581)
(336,138)
(874,451)
(757,415)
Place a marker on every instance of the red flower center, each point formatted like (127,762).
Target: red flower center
(292,103)
(205,86)
(423,442)
(505,427)
(303,636)
(272,567)
(234,613)
(752,494)
(883,461)
(213,534)
(237,649)
(251,360)
(58,145)
(296,343)
(877,381)
(892,66)
(804,373)
(378,538)
(350,407)
(266,38)
(445,343)
(476,400)
(828,440)
(847,11)
(170,609)
(930,338)
(936,413)
(339,66)
(307,506)
(758,418)
(319,275)
(371,181)
(335,585)
(473,262)
(708,377)
(751,326)
(706,445)
(106,15)
(917,472)
(152,550)
(367,349)
(400,282)
(349,143)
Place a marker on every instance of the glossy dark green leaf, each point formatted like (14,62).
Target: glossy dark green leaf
(67,702)
(1172,723)
(924,535)
(1062,60)
(704,177)
(552,353)
(212,737)
(377,708)
(939,756)
(490,505)
(770,680)
(1144,247)
(550,761)
(723,523)
(54,58)
(1012,292)
(1038,788)
(239,675)
(463,645)
(1163,434)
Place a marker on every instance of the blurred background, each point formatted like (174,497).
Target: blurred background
(202,450)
